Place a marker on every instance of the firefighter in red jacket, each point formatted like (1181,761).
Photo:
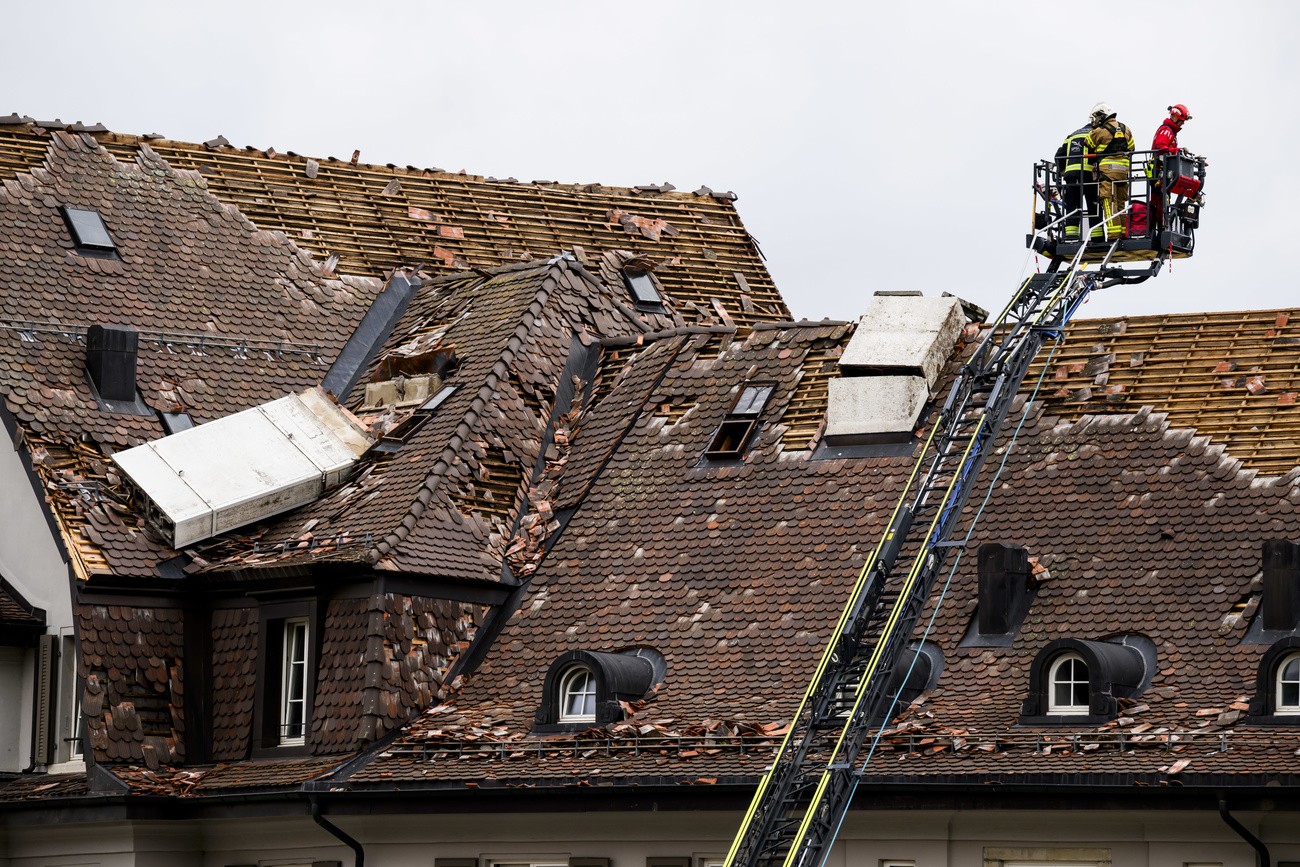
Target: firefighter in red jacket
(1165,144)
(1166,140)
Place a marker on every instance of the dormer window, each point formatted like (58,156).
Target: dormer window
(1069,690)
(586,688)
(1076,681)
(89,233)
(1277,698)
(578,695)
(736,429)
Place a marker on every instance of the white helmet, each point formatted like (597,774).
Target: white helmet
(1101,111)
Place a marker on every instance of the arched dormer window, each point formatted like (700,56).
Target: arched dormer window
(1069,685)
(578,695)
(1277,695)
(585,688)
(1075,681)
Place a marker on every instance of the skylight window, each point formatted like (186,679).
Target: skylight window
(737,428)
(642,287)
(752,399)
(434,402)
(88,230)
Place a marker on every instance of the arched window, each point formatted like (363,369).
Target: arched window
(1068,678)
(1287,693)
(578,695)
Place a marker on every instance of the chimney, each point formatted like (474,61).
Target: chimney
(110,359)
(1281,599)
(1003,586)
(895,357)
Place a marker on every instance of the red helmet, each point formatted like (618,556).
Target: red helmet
(1179,114)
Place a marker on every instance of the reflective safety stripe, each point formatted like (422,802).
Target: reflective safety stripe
(1116,153)
(1076,150)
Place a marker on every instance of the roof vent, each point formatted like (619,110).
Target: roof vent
(1280,605)
(1003,587)
(889,366)
(110,360)
(245,467)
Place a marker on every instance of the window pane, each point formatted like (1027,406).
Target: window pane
(1290,695)
(752,399)
(1069,684)
(89,229)
(299,642)
(293,710)
(580,695)
(1291,671)
(643,288)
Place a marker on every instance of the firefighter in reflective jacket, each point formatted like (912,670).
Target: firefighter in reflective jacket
(1112,143)
(1077,185)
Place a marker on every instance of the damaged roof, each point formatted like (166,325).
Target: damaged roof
(229,315)
(735,571)
(461,488)
(366,220)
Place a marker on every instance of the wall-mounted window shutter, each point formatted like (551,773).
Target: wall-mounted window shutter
(589,862)
(47,660)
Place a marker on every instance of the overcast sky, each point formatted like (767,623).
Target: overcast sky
(873,145)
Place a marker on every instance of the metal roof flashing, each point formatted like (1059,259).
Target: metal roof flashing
(245,467)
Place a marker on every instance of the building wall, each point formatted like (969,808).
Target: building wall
(926,838)
(29,556)
(17,673)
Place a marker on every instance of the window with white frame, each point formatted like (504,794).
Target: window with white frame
(70,705)
(1068,685)
(67,756)
(1288,686)
(293,683)
(578,695)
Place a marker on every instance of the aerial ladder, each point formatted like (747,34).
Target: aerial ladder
(801,800)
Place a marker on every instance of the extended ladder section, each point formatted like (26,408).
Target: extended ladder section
(796,812)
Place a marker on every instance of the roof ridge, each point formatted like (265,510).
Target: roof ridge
(220,144)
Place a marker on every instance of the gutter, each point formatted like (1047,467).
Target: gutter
(339,833)
(1243,833)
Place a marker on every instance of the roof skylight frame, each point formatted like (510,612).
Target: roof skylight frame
(438,398)
(737,428)
(89,232)
(644,292)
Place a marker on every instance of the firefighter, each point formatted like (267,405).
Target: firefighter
(1112,143)
(1166,140)
(1165,144)
(1077,184)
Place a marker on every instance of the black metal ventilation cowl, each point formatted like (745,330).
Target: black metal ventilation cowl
(111,354)
(1280,605)
(1003,587)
